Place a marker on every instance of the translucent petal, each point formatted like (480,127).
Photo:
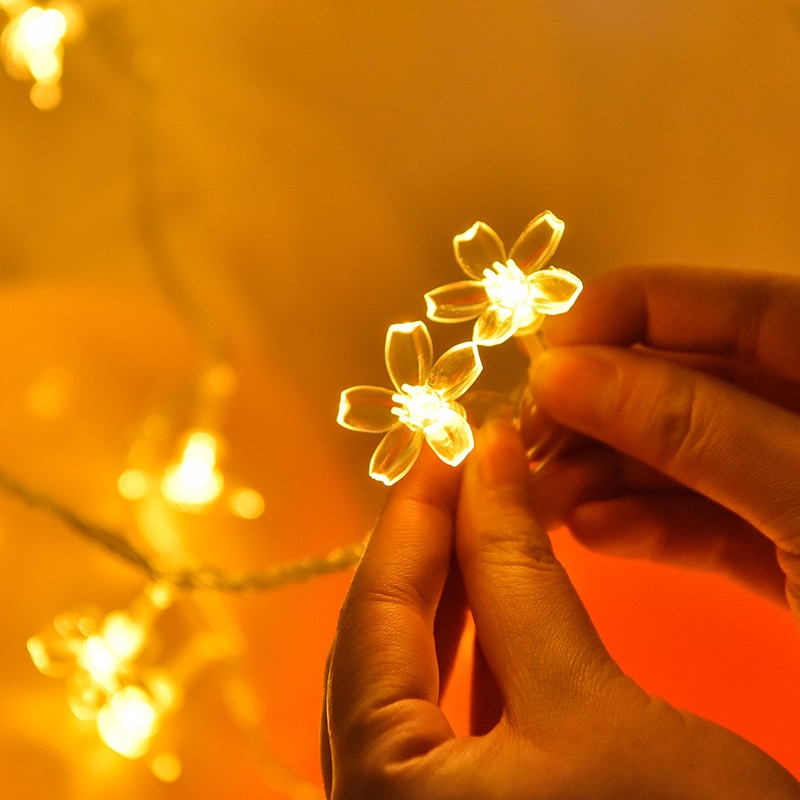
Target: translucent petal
(555,290)
(531,326)
(477,249)
(395,455)
(537,243)
(408,353)
(366,408)
(451,441)
(456,370)
(456,301)
(494,326)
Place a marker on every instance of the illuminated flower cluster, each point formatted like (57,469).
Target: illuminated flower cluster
(509,295)
(99,658)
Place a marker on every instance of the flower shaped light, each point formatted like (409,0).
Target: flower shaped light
(422,407)
(508,295)
(100,658)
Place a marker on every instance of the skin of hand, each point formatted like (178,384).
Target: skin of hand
(685,384)
(553,717)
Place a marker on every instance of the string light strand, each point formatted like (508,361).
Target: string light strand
(201,578)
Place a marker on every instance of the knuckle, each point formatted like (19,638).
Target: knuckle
(678,428)
(517,546)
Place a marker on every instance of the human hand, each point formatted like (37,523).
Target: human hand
(688,383)
(553,715)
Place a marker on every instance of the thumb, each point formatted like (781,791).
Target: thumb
(535,633)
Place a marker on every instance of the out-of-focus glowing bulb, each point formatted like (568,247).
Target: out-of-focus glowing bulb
(166,767)
(132,484)
(124,636)
(247,503)
(32,44)
(160,595)
(194,482)
(128,721)
(100,661)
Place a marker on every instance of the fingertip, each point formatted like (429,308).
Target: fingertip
(500,454)
(576,386)
(430,482)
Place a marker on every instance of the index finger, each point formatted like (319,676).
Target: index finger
(749,316)
(383,685)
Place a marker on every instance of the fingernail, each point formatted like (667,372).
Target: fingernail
(501,457)
(573,386)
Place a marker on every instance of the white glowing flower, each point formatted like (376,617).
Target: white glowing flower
(422,407)
(509,295)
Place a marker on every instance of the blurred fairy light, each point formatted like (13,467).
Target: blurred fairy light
(194,482)
(32,45)
(101,659)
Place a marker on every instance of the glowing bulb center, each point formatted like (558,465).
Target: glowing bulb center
(195,481)
(99,660)
(128,721)
(35,41)
(42,28)
(420,407)
(507,286)
(123,635)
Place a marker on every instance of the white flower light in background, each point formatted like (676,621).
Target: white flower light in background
(107,680)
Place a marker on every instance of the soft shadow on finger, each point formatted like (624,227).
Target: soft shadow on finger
(486,700)
(589,473)
(683,529)
(448,626)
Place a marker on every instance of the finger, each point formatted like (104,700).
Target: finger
(683,529)
(539,643)
(325,758)
(750,316)
(728,445)
(592,473)
(384,678)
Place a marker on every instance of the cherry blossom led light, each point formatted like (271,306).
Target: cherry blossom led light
(100,657)
(423,406)
(509,295)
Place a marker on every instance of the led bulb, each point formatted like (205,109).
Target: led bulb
(128,721)
(194,482)
(123,635)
